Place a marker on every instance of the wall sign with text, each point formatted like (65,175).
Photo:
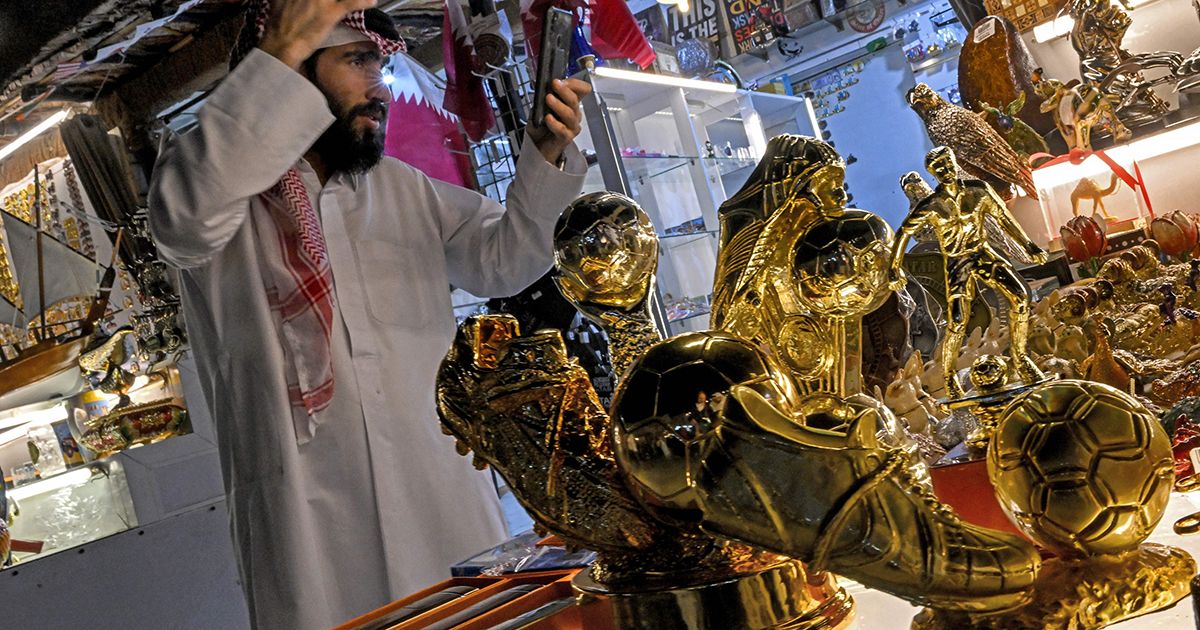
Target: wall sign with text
(752,22)
(702,22)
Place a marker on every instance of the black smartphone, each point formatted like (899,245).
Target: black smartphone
(555,51)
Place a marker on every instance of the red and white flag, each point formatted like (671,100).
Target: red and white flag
(420,132)
(464,90)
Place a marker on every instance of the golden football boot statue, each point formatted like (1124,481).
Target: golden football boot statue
(701,439)
(525,408)
(605,256)
(958,212)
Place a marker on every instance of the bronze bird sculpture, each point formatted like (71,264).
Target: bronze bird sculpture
(980,150)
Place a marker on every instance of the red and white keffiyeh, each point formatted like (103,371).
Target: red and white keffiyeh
(295,266)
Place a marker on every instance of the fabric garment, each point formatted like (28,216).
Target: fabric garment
(377,504)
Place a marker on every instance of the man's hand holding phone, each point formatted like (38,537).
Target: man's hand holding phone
(563,120)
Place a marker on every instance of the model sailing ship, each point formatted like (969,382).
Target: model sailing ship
(51,296)
(58,309)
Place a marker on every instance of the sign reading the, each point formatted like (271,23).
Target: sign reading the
(699,23)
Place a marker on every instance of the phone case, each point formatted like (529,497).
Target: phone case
(555,50)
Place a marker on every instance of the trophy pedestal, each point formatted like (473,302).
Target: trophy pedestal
(783,596)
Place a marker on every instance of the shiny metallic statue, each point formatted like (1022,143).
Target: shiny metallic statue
(605,256)
(797,269)
(957,213)
(1097,35)
(734,469)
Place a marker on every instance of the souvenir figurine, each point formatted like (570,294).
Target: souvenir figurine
(1019,135)
(979,149)
(956,212)
(1096,35)
(1078,109)
(797,270)
(1078,502)
(605,255)
(1088,189)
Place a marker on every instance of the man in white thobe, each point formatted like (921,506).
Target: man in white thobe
(334,518)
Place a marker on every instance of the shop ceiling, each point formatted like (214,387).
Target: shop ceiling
(55,53)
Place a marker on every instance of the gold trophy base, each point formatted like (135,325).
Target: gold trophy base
(783,596)
(1090,592)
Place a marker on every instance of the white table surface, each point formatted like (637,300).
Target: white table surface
(875,610)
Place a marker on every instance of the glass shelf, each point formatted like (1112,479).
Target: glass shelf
(676,240)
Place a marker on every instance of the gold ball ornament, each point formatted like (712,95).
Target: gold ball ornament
(605,251)
(1082,468)
(989,372)
(840,265)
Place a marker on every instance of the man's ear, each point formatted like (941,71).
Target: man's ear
(309,67)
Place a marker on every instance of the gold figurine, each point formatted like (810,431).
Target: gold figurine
(528,410)
(797,270)
(605,256)
(738,466)
(1088,189)
(957,212)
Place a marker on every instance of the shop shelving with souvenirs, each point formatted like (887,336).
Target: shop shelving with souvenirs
(84,378)
(681,148)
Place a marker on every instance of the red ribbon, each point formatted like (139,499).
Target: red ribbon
(1079,156)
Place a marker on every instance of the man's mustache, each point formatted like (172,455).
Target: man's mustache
(374,107)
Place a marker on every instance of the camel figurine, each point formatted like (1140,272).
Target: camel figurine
(1077,109)
(1089,189)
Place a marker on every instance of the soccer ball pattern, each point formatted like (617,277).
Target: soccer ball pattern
(840,266)
(1081,467)
(605,244)
(673,398)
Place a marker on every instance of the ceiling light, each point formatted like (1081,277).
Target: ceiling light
(32,133)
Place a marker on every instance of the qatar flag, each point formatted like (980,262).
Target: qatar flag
(464,89)
(419,131)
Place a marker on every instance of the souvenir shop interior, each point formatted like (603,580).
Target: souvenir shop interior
(870,314)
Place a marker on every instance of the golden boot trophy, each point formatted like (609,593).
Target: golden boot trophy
(702,439)
(528,410)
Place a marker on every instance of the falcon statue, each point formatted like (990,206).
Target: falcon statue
(981,152)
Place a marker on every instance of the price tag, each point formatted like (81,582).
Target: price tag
(986,29)
(1194,454)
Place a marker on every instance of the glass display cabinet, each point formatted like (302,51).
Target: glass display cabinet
(681,147)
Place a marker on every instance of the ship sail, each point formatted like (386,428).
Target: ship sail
(65,272)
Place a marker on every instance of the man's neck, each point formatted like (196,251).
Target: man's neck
(318,166)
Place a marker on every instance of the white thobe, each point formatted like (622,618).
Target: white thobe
(377,504)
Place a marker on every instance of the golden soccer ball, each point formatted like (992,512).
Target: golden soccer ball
(605,250)
(1082,468)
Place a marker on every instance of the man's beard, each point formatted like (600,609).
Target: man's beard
(344,150)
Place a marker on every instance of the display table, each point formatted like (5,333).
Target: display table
(874,610)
